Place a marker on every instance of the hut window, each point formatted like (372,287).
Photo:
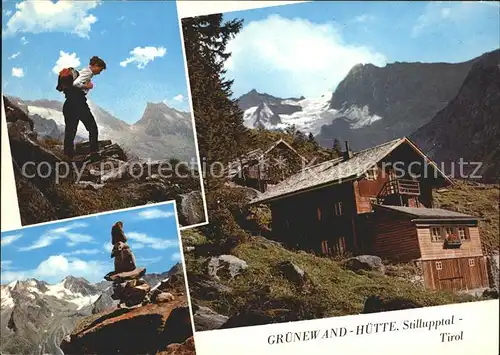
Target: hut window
(462,233)
(436,234)
(338,209)
(439,265)
(471,262)
(319,213)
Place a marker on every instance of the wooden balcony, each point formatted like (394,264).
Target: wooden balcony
(400,187)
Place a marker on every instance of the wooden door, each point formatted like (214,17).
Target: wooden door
(449,275)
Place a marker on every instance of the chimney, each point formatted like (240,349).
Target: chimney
(347,153)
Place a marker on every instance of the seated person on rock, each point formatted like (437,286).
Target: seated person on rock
(124,258)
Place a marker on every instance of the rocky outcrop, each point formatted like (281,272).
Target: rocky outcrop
(150,329)
(64,189)
(207,319)
(186,348)
(392,101)
(293,273)
(192,208)
(206,288)
(129,287)
(227,266)
(468,127)
(365,262)
(158,321)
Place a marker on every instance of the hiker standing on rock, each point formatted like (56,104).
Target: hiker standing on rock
(124,258)
(75,86)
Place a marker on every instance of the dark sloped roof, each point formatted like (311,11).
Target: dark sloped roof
(334,171)
(422,212)
(235,166)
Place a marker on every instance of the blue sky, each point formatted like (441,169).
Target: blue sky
(307,49)
(143,36)
(81,247)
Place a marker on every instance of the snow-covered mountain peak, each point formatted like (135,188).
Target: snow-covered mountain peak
(306,114)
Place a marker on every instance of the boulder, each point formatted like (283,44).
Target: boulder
(207,319)
(14,113)
(207,288)
(192,208)
(374,304)
(125,276)
(230,265)
(34,206)
(293,273)
(144,330)
(186,348)
(365,262)
(490,293)
(83,148)
(134,295)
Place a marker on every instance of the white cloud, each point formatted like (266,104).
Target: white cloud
(7,12)
(155,213)
(179,98)
(152,242)
(83,252)
(47,16)
(66,60)
(176,257)
(293,57)
(17,72)
(65,232)
(42,242)
(9,239)
(5,264)
(15,55)
(364,18)
(108,247)
(121,18)
(57,267)
(143,55)
(24,40)
(437,14)
(136,246)
(146,261)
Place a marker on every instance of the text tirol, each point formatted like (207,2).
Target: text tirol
(292,337)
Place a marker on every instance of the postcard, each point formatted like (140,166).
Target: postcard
(97,110)
(106,283)
(352,192)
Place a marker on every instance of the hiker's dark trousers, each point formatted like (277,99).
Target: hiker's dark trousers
(76,109)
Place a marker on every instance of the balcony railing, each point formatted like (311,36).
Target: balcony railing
(400,187)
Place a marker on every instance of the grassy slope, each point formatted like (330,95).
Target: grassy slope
(337,291)
(478,200)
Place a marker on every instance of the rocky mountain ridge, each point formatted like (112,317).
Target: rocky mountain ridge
(370,106)
(36,316)
(468,127)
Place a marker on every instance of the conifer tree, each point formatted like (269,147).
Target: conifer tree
(221,134)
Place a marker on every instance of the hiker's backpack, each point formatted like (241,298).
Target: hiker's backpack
(66,78)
